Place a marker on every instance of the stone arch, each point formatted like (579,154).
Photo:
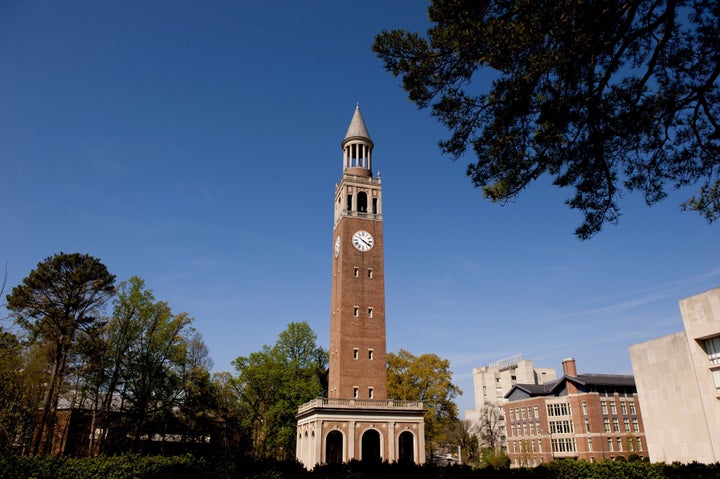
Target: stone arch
(406,447)
(370,446)
(334,447)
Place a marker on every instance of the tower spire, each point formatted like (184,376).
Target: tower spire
(357,147)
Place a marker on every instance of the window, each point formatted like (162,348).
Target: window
(610,444)
(636,428)
(619,444)
(613,408)
(356,353)
(623,408)
(632,407)
(561,427)
(349,202)
(370,273)
(370,393)
(716,378)
(356,272)
(587,426)
(355,391)
(616,425)
(537,412)
(370,312)
(606,424)
(584,408)
(559,409)
(563,444)
(626,424)
(603,406)
(371,354)
(712,348)
(639,443)
(356,311)
(590,444)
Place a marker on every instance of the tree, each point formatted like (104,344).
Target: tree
(425,378)
(56,300)
(272,384)
(491,426)
(603,96)
(462,434)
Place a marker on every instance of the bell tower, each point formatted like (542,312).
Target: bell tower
(357,305)
(357,421)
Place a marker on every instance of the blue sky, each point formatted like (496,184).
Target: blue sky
(197,145)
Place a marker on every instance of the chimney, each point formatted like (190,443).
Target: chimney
(569,368)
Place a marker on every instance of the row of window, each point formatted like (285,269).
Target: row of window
(356,392)
(526,446)
(712,349)
(629,443)
(561,427)
(559,409)
(370,355)
(356,272)
(524,412)
(613,407)
(616,425)
(525,429)
(568,444)
(356,312)
(566,427)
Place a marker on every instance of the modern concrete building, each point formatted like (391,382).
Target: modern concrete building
(357,420)
(678,380)
(492,382)
(590,417)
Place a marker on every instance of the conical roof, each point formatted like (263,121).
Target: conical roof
(357,127)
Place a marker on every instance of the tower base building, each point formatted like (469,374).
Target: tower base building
(370,430)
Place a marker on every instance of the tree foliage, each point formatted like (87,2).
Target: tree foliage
(491,426)
(272,383)
(603,96)
(56,300)
(426,378)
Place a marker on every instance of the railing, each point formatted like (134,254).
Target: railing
(360,404)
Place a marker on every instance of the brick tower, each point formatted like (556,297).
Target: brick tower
(357,317)
(357,420)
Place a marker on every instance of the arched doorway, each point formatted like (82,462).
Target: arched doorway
(406,451)
(334,448)
(371,446)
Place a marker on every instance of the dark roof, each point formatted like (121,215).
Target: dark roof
(623,380)
(584,382)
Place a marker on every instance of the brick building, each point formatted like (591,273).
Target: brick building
(590,417)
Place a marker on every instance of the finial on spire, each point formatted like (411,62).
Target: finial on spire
(357,126)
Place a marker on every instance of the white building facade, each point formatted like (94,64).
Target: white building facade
(492,382)
(678,382)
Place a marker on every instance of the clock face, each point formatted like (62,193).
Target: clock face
(363,240)
(337,246)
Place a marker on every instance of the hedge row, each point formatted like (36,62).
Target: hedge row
(180,467)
